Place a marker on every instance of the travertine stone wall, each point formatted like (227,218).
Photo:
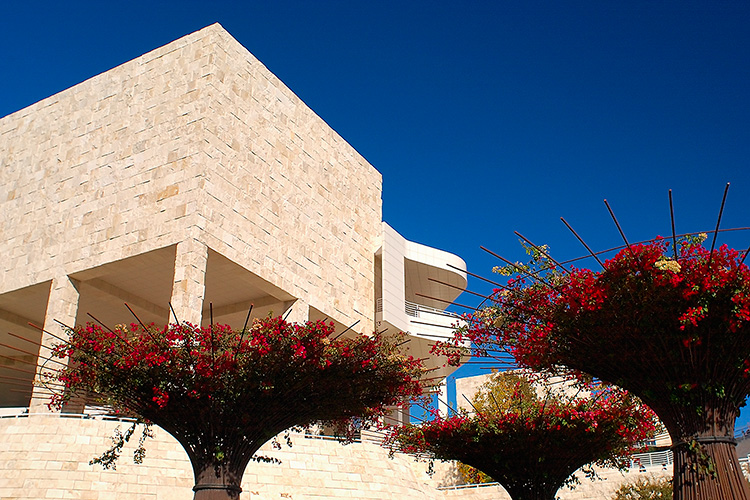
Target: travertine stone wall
(196,139)
(189,288)
(40,458)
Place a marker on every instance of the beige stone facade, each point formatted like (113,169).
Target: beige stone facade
(189,184)
(41,458)
(191,177)
(45,456)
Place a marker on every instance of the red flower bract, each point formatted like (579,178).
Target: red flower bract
(534,446)
(672,329)
(223,393)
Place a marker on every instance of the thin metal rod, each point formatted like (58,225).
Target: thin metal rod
(148,332)
(476,276)
(582,242)
(48,333)
(18,382)
(644,242)
(619,228)
(176,320)
(211,328)
(20,379)
(102,324)
(716,231)
(17,360)
(472,404)
(458,288)
(436,325)
(63,325)
(539,249)
(244,328)
(23,338)
(446,403)
(14,368)
(516,266)
(135,315)
(288,312)
(671,216)
(31,353)
(349,328)
(32,342)
(242,333)
(745,256)
(450,302)
(495,401)
(110,330)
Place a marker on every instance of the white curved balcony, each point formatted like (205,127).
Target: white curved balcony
(414,284)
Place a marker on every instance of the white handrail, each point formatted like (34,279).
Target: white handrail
(413,309)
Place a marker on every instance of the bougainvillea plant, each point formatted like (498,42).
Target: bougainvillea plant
(672,326)
(223,393)
(532,445)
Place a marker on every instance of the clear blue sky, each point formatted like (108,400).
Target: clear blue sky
(483,117)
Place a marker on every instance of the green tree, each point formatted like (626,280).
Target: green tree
(671,325)
(533,444)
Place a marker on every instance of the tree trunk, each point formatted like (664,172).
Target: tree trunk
(212,486)
(709,472)
(532,492)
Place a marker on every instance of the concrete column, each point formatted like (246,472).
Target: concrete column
(62,305)
(189,286)
(442,396)
(405,413)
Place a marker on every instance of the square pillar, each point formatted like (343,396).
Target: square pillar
(62,306)
(442,397)
(189,287)
(297,312)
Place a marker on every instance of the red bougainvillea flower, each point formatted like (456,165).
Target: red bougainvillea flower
(534,445)
(223,393)
(671,327)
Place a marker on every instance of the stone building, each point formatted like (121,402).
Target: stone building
(192,176)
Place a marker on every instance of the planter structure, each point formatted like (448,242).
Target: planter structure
(670,326)
(222,393)
(533,446)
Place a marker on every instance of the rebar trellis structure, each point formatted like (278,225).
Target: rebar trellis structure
(223,393)
(695,382)
(532,445)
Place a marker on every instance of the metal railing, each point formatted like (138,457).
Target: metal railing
(413,309)
(366,436)
(24,413)
(466,486)
(652,459)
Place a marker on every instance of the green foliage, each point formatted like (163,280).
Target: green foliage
(503,392)
(223,393)
(472,475)
(108,459)
(530,443)
(645,489)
